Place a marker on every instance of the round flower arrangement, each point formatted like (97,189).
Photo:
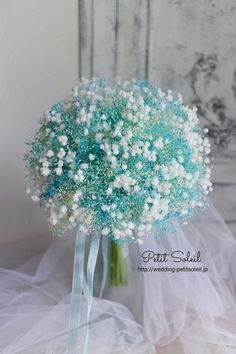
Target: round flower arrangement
(123,159)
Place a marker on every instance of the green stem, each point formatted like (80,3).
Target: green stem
(118,265)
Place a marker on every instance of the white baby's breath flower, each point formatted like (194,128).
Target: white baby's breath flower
(159,143)
(63,140)
(105,231)
(61,153)
(50,153)
(139,165)
(45,171)
(35,198)
(91,157)
(58,171)
(109,191)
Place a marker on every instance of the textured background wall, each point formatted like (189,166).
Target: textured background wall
(185,45)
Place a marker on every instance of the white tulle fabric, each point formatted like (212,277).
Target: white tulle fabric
(156,308)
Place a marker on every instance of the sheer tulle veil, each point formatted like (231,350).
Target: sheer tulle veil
(195,308)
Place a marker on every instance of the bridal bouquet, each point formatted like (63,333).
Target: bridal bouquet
(118,162)
(123,160)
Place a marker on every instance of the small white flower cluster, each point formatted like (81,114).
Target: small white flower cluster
(124,158)
(124,181)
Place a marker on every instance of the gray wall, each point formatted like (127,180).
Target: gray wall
(38,65)
(185,45)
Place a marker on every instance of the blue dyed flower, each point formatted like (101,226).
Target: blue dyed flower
(125,160)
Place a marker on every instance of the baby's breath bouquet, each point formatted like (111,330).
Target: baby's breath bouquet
(120,161)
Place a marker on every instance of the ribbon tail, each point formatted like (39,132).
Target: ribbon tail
(92,259)
(77,286)
(105,264)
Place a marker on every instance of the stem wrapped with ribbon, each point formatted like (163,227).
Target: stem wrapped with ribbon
(117,162)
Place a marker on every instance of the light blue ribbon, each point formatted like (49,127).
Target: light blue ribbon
(92,259)
(77,287)
(80,285)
